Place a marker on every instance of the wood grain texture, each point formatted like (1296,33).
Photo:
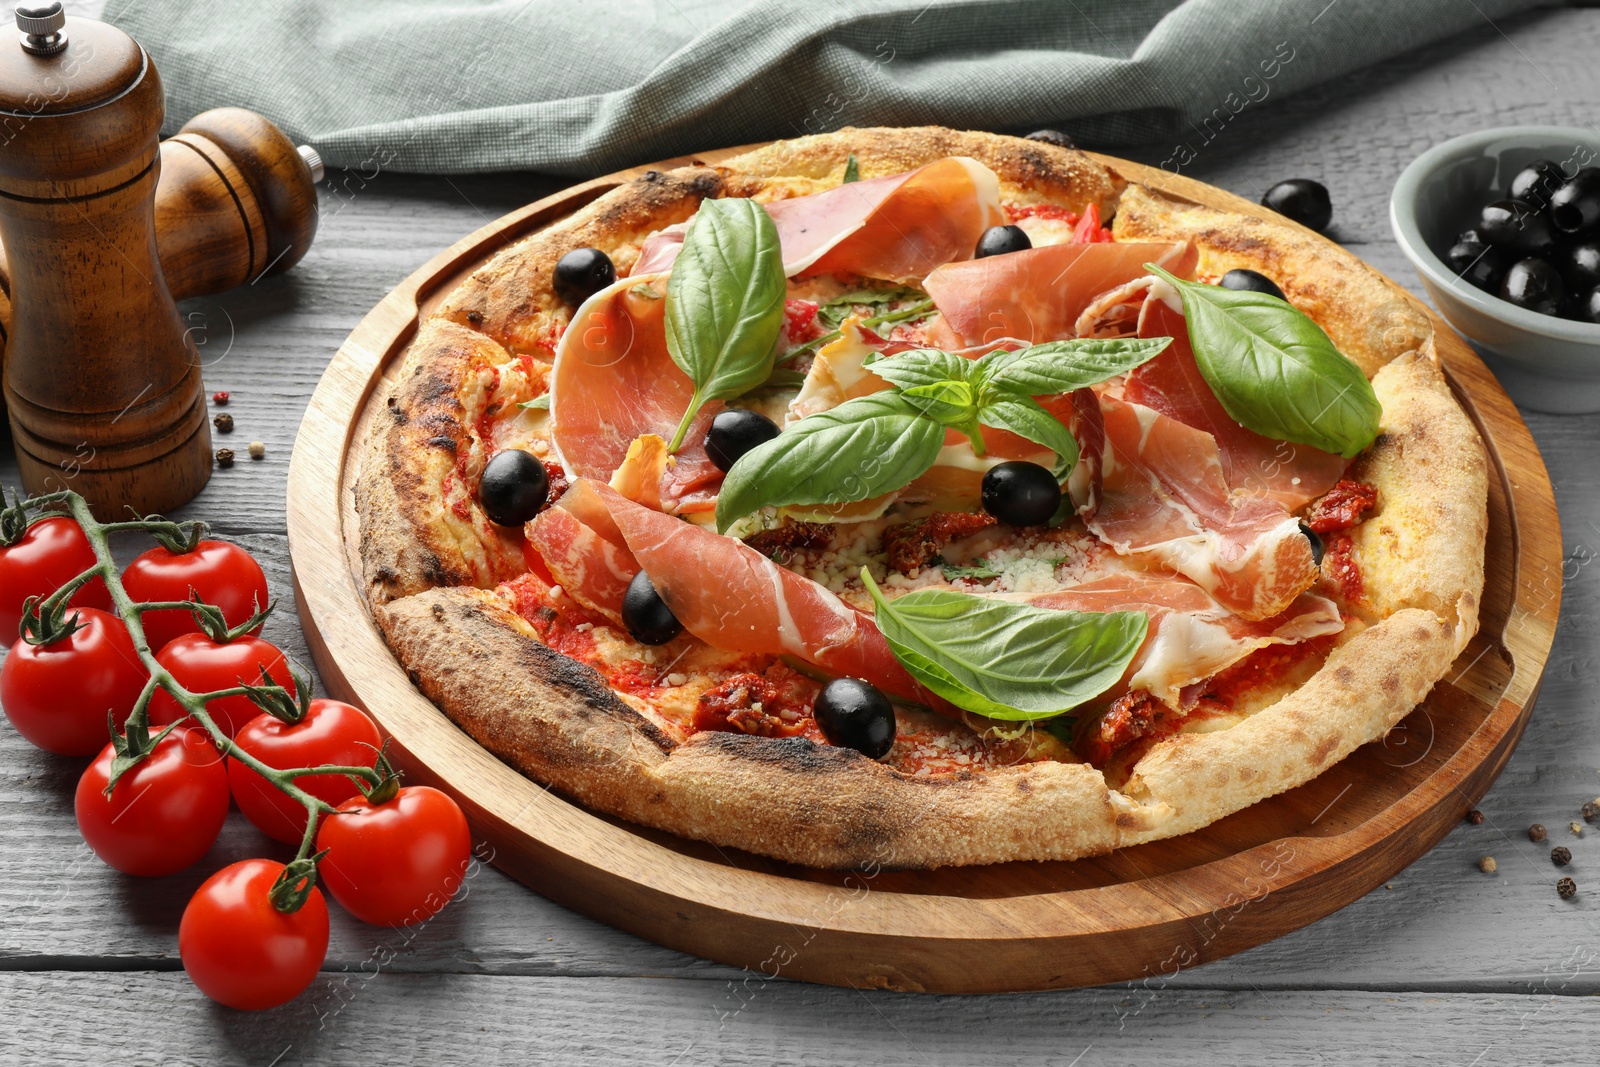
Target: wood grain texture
(1401,958)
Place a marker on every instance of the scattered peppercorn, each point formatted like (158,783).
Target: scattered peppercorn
(1567,888)
(220,399)
(1536,832)
(257,449)
(475,317)
(224,457)
(223,423)
(1475,817)
(1561,855)
(1487,865)
(1591,811)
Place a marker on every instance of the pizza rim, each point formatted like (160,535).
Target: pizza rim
(399,534)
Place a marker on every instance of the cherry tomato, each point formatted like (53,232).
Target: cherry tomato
(202,665)
(332,732)
(398,862)
(58,695)
(223,574)
(50,554)
(165,812)
(243,952)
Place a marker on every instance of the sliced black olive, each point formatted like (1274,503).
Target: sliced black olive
(1587,307)
(736,431)
(1317,547)
(646,615)
(1535,285)
(1535,182)
(1055,137)
(513,487)
(1302,200)
(581,273)
(1580,265)
(853,714)
(1575,207)
(998,240)
(1517,225)
(1249,281)
(1020,493)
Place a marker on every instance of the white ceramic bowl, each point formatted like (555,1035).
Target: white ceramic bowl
(1545,363)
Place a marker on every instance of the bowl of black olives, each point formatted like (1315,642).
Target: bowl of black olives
(1503,226)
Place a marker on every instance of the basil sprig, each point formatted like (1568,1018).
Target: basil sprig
(1006,660)
(882,442)
(725,303)
(1275,371)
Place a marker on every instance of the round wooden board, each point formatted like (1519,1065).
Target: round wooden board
(1140,912)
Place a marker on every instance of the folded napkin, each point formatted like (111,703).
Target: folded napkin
(586,86)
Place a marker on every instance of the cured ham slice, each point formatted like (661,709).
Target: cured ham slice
(660,250)
(1165,497)
(1292,474)
(733,597)
(897,227)
(613,382)
(1191,635)
(1038,294)
(589,568)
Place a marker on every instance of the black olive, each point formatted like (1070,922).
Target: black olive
(1303,201)
(513,487)
(581,273)
(1249,281)
(736,431)
(646,615)
(1535,182)
(1517,225)
(1580,265)
(1587,307)
(1468,247)
(1535,285)
(1575,207)
(1487,269)
(998,240)
(1055,137)
(854,714)
(1020,493)
(1317,547)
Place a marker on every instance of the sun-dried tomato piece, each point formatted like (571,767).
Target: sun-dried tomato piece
(913,545)
(781,542)
(1341,507)
(1130,717)
(749,703)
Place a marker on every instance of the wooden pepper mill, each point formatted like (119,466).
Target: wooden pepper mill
(101,379)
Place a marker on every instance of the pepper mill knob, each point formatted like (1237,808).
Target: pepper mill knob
(41,28)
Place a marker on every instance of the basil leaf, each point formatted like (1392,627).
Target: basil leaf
(833,312)
(1024,416)
(920,366)
(852,170)
(725,303)
(1062,366)
(783,378)
(951,403)
(976,572)
(1275,371)
(538,403)
(1006,660)
(871,445)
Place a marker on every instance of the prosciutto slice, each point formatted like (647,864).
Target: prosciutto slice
(1038,294)
(1191,635)
(589,568)
(1165,497)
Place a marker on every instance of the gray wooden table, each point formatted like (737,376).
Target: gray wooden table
(1444,965)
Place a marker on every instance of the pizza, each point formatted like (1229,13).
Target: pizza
(914,497)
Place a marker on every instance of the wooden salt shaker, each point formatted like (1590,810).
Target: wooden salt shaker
(102,382)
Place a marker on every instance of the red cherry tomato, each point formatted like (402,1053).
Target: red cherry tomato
(58,695)
(243,952)
(49,555)
(223,574)
(399,862)
(332,732)
(165,812)
(202,665)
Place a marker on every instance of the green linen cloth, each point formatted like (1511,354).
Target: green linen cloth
(586,86)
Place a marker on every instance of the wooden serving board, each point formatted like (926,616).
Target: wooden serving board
(1139,913)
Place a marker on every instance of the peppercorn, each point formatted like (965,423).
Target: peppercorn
(1567,888)
(223,423)
(1561,855)
(1536,832)
(1475,817)
(220,399)
(1487,865)
(1591,811)
(475,317)
(257,450)
(224,457)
